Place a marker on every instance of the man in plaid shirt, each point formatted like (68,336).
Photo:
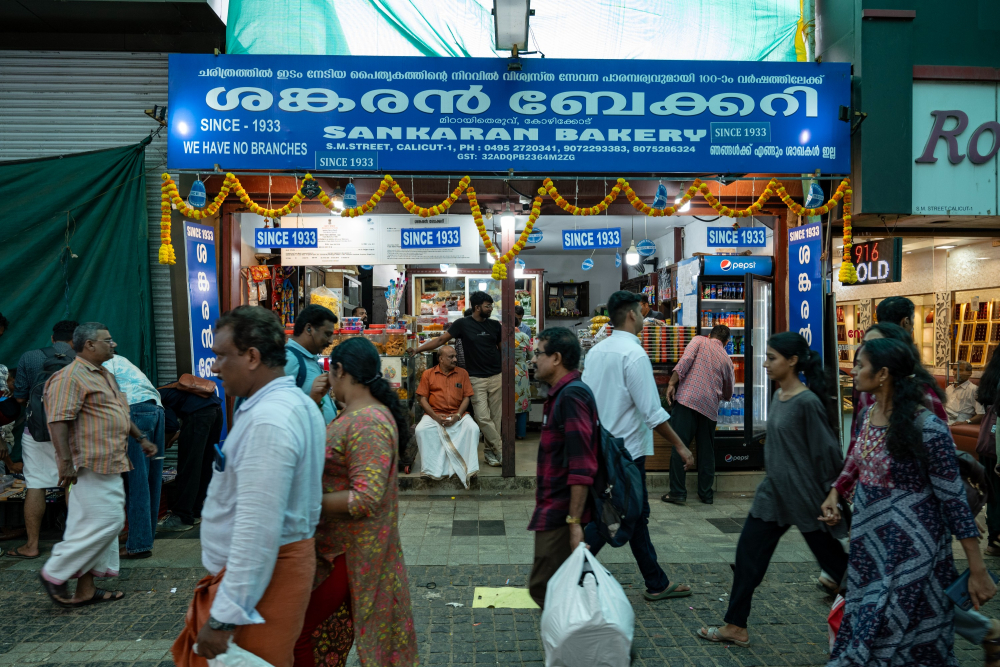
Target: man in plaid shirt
(705,377)
(567,457)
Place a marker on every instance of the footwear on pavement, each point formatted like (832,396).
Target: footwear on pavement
(173,524)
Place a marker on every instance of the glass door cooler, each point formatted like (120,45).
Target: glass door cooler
(737,291)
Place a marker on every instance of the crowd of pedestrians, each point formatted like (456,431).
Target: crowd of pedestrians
(299,505)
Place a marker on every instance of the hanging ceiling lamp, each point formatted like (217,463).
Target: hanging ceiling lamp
(632,255)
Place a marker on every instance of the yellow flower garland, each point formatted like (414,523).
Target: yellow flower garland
(170,195)
(848,274)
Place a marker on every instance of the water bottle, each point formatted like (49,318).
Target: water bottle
(727,411)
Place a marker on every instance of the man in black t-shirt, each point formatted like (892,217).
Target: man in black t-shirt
(480,336)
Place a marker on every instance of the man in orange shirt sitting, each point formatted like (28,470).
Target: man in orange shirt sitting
(448,438)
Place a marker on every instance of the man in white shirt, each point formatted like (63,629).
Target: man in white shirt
(620,375)
(263,502)
(960,398)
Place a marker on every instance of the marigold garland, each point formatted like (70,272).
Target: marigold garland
(848,274)
(170,195)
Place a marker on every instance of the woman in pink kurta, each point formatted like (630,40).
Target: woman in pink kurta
(360,559)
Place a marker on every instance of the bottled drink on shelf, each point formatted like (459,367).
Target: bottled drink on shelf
(740,291)
(706,293)
(714,291)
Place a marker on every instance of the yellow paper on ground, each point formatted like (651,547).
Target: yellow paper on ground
(506,597)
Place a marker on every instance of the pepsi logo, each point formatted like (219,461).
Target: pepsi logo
(725,266)
(729,458)
(735,459)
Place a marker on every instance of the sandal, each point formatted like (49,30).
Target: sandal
(16,553)
(57,592)
(712,635)
(98,597)
(991,652)
(670,592)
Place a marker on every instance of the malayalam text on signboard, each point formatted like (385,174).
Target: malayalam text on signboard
(371,113)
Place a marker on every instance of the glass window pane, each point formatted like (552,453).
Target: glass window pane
(761,394)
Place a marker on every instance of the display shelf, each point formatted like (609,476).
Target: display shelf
(730,328)
(708,302)
(728,427)
(735,355)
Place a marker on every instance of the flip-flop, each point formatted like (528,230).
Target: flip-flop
(14,553)
(98,597)
(670,592)
(673,501)
(712,635)
(57,592)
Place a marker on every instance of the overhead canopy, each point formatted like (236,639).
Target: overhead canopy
(74,239)
(639,29)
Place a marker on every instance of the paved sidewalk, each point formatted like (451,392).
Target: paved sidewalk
(457,545)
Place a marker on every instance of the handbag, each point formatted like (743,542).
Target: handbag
(193,385)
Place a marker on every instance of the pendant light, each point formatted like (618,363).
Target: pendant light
(632,255)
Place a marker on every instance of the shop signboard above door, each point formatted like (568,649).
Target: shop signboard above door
(956,141)
(381,113)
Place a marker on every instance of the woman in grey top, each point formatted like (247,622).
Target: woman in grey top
(803,458)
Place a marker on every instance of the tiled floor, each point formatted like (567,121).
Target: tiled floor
(452,544)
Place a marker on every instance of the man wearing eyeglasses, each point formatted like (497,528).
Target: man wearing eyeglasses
(89,423)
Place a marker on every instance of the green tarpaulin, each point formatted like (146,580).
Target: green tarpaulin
(612,29)
(75,246)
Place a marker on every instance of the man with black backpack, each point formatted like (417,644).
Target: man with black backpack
(313,333)
(41,471)
(567,457)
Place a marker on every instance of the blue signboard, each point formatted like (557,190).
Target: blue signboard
(805,284)
(299,237)
(589,239)
(744,237)
(535,237)
(393,113)
(445,237)
(646,248)
(618,259)
(203,297)
(737,265)
(588,264)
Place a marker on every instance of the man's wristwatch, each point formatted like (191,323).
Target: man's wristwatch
(219,625)
(573,519)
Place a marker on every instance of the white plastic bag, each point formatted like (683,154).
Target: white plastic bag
(587,618)
(236,657)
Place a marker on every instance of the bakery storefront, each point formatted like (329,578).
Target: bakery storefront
(548,188)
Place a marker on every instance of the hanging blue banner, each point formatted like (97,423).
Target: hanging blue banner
(805,284)
(297,237)
(590,239)
(390,113)
(744,237)
(203,300)
(445,237)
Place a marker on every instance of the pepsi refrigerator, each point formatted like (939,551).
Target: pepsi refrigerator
(737,291)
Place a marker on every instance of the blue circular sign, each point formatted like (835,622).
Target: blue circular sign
(646,248)
(197,196)
(588,264)
(535,237)
(618,258)
(366,267)
(519,263)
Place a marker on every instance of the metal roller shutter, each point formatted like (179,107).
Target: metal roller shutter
(53,103)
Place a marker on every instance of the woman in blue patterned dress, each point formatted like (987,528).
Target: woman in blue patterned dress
(908,501)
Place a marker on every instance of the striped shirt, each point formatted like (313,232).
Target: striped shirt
(706,374)
(88,397)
